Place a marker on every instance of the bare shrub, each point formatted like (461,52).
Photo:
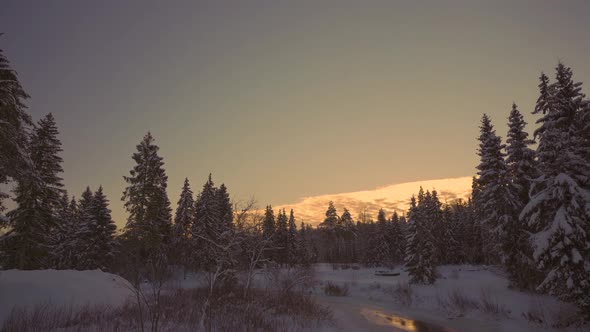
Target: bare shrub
(332,289)
(402,293)
(48,317)
(181,310)
(537,312)
(489,305)
(374,285)
(459,301)
(292,279)
(565,316)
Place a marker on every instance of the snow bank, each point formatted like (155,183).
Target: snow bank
(60,287)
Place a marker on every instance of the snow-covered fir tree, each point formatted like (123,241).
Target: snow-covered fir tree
(558,212)
(453,251)
(38,195)
(183,222)
(397,239)
(225,208)
(65,245)
(14,130)
(95,233)
(419,245)
(378,250)
(331,217)
(521,163)
(520,159)
(86,245)
(149,223)
(496,198)
(45,150)
(281,237)
(268,224)
(105,233)
(292,243)
(330,234)
(303,252)
(433,220)
(347,234)
(206,232)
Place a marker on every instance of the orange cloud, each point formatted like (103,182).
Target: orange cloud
(391,198)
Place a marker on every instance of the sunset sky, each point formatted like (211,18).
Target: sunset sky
(284,99)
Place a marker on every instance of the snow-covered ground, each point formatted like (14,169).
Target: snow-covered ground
(456,302)
(20,289)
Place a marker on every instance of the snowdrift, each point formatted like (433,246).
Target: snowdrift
(60,287)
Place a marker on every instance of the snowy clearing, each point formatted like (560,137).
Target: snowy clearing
(20,289)
(464,298)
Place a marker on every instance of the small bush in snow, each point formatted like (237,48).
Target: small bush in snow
(402,293)
(490,306)
(459,301)
(332,289)
(180,310)
(374,285)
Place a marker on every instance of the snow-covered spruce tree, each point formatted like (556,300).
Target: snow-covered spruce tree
(304,252)
(397,239)
(183,222)
(149,223)
(225,208)
(454,253)
(328,234)
(63,215)
(281,237)
(558,212)
(38,195)
(496,199)
(348,235)
(331,217)
(205,232)
(419,246)
(65,250)
(520,159)
(521,163)
(379,249)
(433,217)
(105,231)
(268,224)
(85,246)
(45,150)
(292,243)
(14,130)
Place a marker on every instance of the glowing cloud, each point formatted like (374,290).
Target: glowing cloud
(390,198)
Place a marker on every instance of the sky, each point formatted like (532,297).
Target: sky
(284,99)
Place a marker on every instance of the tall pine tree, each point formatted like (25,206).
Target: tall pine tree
(420,260)
(38,196)
(495,200)
(183,222)
(559,210)
(520,160)
(149,223)
(14,130)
